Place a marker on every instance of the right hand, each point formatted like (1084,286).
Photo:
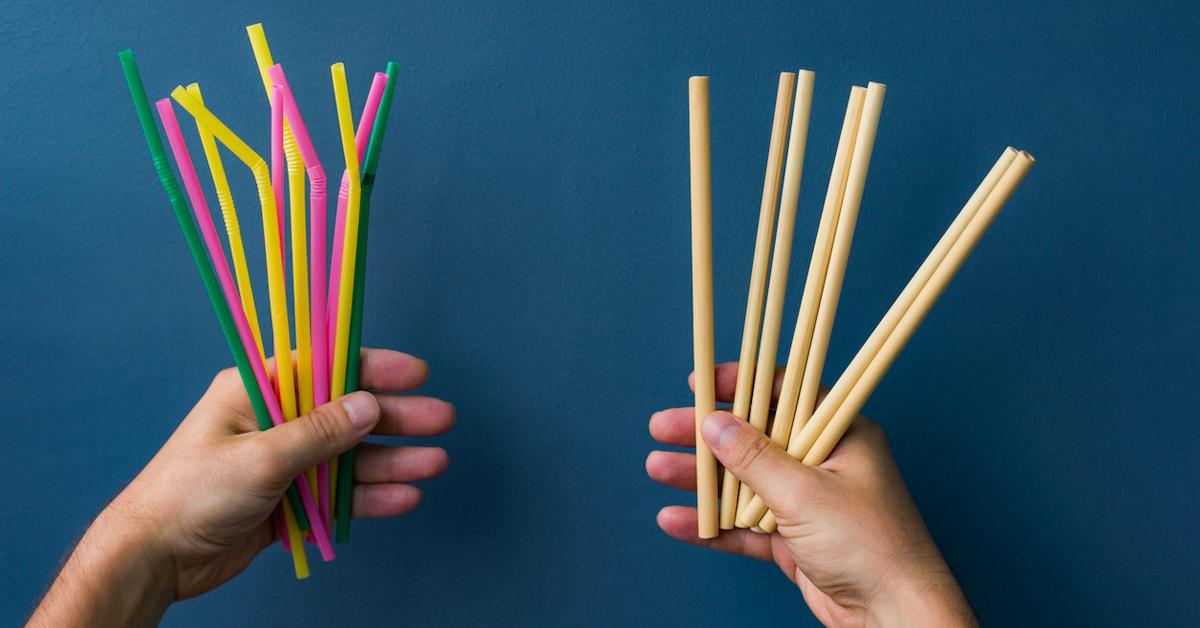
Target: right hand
(849,535)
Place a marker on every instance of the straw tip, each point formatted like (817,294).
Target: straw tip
(255,27)
(698,79)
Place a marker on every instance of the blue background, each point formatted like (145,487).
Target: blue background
(530,239)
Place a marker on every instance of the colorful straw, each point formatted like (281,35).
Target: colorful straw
(345,490)
(361,135)
(216,253)
(167,178)
(337,381)
(275,281)
(316,174)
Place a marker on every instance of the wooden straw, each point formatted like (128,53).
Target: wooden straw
(702,298)
(800,446)
(758,277)
(785,409)
(764,375)
(831,290)
(843,415)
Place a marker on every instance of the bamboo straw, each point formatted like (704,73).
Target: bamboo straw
(835,271)
(702,299)
(785,409)
(839,254)
(764,375)
(843,415)
(837,396)
(758,277)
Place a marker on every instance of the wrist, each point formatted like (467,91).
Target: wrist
(930,597)
(119,574)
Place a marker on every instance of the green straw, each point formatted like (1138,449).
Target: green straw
(370,165)
(171,185)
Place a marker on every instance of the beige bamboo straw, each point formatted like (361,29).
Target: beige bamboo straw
(764,374)
(845,413)
(839,254)
(758,276)
(799,447)
(785,409)
(702,298)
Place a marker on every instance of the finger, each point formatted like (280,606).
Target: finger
(317,436)
(755,460)
(384,500)
(414,416)
(672,468)
(726,380)
(377,464)
(384,370)
(676,426)
(679,522)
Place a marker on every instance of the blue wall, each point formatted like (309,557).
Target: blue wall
(530,239)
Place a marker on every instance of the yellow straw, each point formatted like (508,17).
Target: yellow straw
(346,283)
(337,385)
(296,176)
(232,229)
(295,542)
(277,286)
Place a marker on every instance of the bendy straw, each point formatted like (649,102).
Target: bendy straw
(315,327)
(353,353)
(764,373)
(800,445)
(274,277)
(232,229)
(216,254)
(730,499)
(700,135)
(337,381)
(165,176)
(365,123)
(306,372)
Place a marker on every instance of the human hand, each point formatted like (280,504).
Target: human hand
(849,535)
(200,511)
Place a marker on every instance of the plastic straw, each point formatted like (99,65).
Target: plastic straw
(337,381)
(300,160)
(200,208)
(274,276)
(229,213)
(365,123)
(345,490)
(167,177)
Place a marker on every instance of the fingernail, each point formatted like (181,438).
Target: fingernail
(718,429)
(362,408)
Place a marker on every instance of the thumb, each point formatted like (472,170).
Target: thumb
(321,434)
(754,459)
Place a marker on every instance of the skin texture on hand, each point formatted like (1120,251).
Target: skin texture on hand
(200,511)
(849,535)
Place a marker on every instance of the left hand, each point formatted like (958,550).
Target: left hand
(201,509)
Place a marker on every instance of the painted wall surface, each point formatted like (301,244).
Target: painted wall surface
(530,239)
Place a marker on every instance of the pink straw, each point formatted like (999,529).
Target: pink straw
(204,219)
(318,204)
(366,122)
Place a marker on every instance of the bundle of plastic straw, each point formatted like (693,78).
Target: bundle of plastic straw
(808,431)
(317,508)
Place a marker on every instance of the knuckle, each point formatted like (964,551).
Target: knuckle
(322,425)
(748,449)
(226,377)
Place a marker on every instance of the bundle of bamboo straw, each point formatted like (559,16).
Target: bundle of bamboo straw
(808,431)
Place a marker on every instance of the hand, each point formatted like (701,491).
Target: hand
(849,535)
(201,509)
